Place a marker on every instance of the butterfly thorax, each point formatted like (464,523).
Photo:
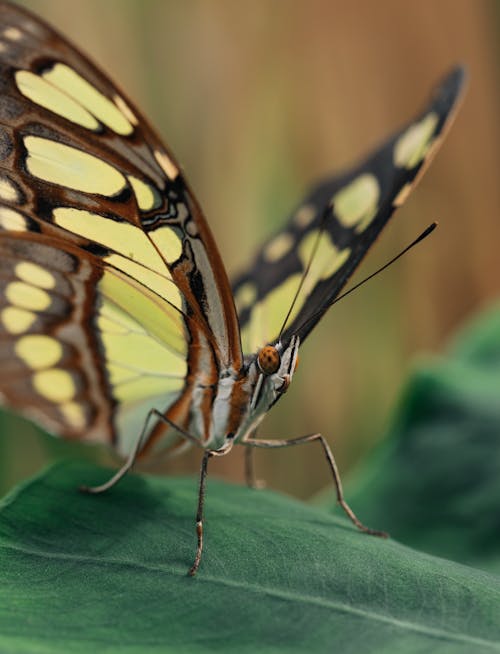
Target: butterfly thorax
(242,400)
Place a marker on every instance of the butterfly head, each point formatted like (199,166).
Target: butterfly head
(275,365)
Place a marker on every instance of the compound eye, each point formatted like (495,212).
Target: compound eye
(269,360)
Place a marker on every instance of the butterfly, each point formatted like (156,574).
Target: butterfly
(118,322)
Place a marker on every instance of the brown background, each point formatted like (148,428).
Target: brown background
(259,99)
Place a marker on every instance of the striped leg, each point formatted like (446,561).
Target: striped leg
(201,502)
(257,442)
(129,463)
(199,513)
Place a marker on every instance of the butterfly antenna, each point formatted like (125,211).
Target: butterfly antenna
(306,271)
(420,238)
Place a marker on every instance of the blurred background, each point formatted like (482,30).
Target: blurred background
(259,100)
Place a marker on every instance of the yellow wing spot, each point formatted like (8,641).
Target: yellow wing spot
(38,351)
(412,146)
(268,314)
(140,311)
(246,295)
(327,258)
(28,297)
(305,215)
(279,246)
(168,243)
(8,191)
(143,354)
(12,221)
(142,386)
(12,33)
(356,204)
(70,82)
(17,321)
(163,287)
(35,275)
(166,164)
(61,164)
(41,92)
(121,237)
(125,109)
(146,195)
(109,326)
(118,374)
(404,192)
(115,321)
(55,385)
(74,414)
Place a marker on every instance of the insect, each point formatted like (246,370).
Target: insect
(118,322)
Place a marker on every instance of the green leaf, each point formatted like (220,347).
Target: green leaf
(435,482)
(83,573)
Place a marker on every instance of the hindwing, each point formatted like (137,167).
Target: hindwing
(82,346)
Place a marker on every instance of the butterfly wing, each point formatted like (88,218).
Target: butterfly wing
(141,295)
(333,228)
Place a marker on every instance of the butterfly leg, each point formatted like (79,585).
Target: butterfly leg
(201,502)
(199,513)
(129,463)
(257,442)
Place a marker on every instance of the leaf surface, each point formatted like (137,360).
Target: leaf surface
(434,484)
(108,574)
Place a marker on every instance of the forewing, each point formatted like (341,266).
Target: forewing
(78,156)
(334,226)
(142,294)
